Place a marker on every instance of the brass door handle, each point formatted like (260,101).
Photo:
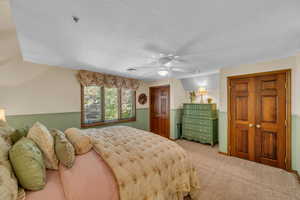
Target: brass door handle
(250,125)
(258,126)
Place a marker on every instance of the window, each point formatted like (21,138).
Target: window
(102,105)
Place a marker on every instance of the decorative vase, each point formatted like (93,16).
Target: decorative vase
(209,100)
(192,96)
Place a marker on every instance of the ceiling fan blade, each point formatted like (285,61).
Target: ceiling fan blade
(181,60)
(188,47)
(147,67)
(176,69)
(156,49)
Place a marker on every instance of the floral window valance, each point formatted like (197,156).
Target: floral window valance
(88,78)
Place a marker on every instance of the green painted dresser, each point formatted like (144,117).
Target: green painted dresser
(200,123)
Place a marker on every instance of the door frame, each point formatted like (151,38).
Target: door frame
(150,102)
(288,110)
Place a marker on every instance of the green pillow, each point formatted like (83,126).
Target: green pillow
(64,150)
(28,164)
(18,134)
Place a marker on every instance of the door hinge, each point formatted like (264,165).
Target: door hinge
(285,122)
(285,85)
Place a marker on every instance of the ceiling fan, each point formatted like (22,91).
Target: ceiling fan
(164,64)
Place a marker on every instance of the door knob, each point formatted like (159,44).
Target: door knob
(250,125)
(258,126)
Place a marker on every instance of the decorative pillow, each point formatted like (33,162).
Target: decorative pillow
(18,134)
(27,161)
(42,137)
(4,148)
(3,123)
(21,194)
(6,131)
(8,182)
(81,142)
(64,150)
(8,185)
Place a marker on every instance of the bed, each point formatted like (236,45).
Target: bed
(125,164)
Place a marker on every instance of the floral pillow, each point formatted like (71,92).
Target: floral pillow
(81,142)
(64,150)
(44,140)
(27,161)
(9,184)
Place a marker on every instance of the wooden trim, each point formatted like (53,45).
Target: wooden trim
(289,120)
(119,103)
(228,116)
(81,105)
(259,74)
(150,99)
(159,86)
(296,173)
(288,110)
(102,103)
(105,123)
(223,153)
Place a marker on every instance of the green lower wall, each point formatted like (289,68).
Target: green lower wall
(176,117)
(63,121)
(60,121)
(223,131)
(295,138)
(296,142)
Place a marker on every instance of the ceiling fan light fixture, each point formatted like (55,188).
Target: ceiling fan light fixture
(163,72)
(131,69)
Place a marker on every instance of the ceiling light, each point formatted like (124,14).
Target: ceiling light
(131,69)
(168,64)
(163,72)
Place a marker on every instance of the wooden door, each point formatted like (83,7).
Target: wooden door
(160,110)
(258,118)
(242,106)
(270,135)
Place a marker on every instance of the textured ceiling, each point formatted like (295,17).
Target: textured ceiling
(111,36)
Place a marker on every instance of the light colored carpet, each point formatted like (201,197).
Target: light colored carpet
(229,178)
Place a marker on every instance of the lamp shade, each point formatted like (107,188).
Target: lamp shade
(2,115)
(202,91)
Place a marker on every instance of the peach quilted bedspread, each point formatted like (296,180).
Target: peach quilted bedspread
(89,179)
(146,166)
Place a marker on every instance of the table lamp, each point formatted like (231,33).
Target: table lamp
(201,93)
(2,115)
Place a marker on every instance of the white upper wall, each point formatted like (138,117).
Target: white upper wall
(178,95)
(27,88)
(208,81)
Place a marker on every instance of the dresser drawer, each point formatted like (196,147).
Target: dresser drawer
(196,135)
(197,121)
(198,128)
(201,107)
(200,114)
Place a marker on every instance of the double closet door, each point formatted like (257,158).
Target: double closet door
(258,118)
